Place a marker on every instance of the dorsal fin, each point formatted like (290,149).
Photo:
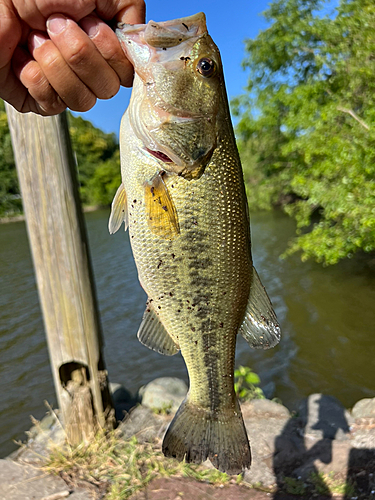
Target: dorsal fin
(160,209)
(153,334)
(119,211)
(260,327)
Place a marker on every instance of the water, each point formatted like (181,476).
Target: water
(327,318)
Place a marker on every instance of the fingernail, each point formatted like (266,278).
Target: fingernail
(37,40)
(56,24)
(89,26)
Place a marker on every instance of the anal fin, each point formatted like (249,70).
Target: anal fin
(153,334)
(160,209)
(260,327)
(119,211)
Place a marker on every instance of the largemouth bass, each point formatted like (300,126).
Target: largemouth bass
(183,198)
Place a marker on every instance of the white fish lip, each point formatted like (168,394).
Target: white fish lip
(167,33)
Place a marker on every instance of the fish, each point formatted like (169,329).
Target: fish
(183,199)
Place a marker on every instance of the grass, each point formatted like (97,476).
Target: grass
(319,484)
(121,468)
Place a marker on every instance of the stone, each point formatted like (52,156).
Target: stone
(265,408)
(324,417)
(260,474)
(42,437)
(339,458)
(123,400)
(363,437)
(164,393)
(144,424)
(119,393)
(289,448)
(23,482)
(269,389)
(263,435)
(364,408)
(81,495)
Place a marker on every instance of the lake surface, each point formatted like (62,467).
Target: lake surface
(327,317)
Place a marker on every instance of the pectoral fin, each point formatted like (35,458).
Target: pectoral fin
(160,209)
(119,211)
(153,334)
(260,327)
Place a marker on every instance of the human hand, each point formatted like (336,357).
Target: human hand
(56,54)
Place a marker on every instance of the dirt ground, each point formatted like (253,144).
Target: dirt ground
(188,489)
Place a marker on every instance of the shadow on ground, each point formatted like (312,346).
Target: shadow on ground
(324,451)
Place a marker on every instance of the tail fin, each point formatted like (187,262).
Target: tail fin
(197,434)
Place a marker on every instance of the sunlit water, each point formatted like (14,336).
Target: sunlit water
(327,318)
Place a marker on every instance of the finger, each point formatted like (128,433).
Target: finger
(47,101)
(73,92)
(125,11)
(108,45)
(10,33)
(35,12)
(82,56)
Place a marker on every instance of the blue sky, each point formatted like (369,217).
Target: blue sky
(229,23)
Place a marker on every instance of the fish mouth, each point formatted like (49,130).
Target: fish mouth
(159,155)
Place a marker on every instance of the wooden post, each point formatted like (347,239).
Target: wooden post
(49,187)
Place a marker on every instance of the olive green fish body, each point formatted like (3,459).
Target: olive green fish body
(184,202)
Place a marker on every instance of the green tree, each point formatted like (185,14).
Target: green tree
(98,163)
(10,200)
(306,132)
(97,159)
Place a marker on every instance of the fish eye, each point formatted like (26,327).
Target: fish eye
(206,67)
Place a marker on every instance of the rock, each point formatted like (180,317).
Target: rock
(23,482)
(265,408)
(326,456)
(144,424)
(289,448)
(123,401)
(364,408)
(260,474)
(363,435)
(81,495)
(324,417)
(41,438)
(119,393)
(339,458)
(269,389)
(265,422)
(164,393)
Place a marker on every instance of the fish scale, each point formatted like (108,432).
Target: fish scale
(185,205)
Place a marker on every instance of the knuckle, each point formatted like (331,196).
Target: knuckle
(79,54)
(51,60)
(33,76)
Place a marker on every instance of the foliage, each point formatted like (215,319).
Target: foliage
(120,468)
(98,162)
(10,202)
(306,131)
(246,384)
(318,484)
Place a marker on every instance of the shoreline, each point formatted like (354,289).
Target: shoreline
(21,217)
(322,451)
